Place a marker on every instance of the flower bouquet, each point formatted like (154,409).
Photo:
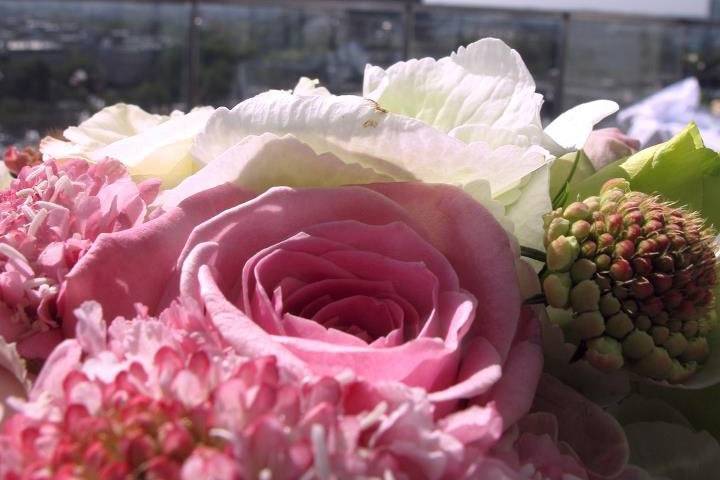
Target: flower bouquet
(417,283)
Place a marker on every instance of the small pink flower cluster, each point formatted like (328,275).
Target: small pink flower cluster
(15,159)
(164,398)
(49,217)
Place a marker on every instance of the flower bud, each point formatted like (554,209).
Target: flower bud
(561,253)
(637,344)
(585,296)
(557,289)
(646,268)
(577,211)
(657,364)
(604,353)
(588,324)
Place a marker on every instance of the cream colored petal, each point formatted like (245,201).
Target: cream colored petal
(485,84)
(571,129)
(5,177)
(309,86)
(112,124)
(355,131)
(402,148)
(162,151)
(258,163)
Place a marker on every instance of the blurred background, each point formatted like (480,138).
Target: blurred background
(62,60)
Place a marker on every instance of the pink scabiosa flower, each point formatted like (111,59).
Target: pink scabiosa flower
(166,398)
(49,217)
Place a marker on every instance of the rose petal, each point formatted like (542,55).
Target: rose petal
(456,225)
(157,242)
(594,435)
(238,330)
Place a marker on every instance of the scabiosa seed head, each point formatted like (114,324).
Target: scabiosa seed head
(638,275)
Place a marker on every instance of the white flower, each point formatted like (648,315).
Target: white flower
(485,93)
(149,145)
(5,177)
(471,119)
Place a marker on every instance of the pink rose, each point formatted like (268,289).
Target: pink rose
(401,282)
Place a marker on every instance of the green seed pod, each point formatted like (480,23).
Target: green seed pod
(589,324)
(609,305)
(619,325)
(577,211)
(558,226)
(557,289)
(585,296)
(593,203)
(660,335)
(582,269)
(588,249)
(657,364)
(643,322)
(580,229)
(605,354)
(637,344)
(676,344)
(697,350)
(561,253)
(690,328)
(615,184)
(644,267)
(603,262)
(680,372)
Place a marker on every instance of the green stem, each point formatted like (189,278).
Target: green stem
(538,299)
(559,199)
(533,253)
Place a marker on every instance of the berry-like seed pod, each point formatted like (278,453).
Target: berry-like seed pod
(637,276)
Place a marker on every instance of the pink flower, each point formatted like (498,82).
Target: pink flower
(48,219)
(166,398)
(606,145)
(565,436)
(404,282)
(16,159)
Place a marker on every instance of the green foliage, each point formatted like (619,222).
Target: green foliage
(682,170)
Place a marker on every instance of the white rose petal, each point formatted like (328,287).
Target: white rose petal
(484,84)
(356,132)
(151,146)
(261,162)
(572,128)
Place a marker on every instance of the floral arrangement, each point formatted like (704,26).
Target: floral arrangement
(416,283)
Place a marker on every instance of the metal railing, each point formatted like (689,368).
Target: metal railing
(221,51)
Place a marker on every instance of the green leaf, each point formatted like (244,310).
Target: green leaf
(701,407)
(682,170)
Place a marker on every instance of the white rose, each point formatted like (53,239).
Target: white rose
(151,146)
(471,119)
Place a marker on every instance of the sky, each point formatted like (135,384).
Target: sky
(664,8)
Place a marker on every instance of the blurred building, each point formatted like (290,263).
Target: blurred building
(60,60)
